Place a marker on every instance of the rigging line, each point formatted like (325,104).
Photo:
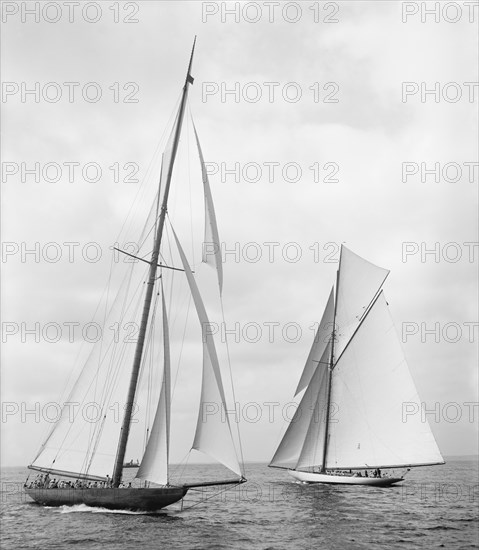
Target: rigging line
(170,299)
(122,352)
(173,315)
(232,388)
(183,464)
(102,424)
(79,375)
(158,194)
(145,233)
(115,363)
(105,313)
(189,183)
(143,186)
(363,318)
(107,286)
(61,447)
(188,308)
(125,307)
(109,388)
(226,488)
(186,294)
(155,204)
(181,347)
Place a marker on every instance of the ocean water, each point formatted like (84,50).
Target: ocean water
(436,507)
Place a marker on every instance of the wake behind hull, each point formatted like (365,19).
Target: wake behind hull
(312,477)
(144,499)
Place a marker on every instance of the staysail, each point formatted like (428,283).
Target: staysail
(321,340)
(303,431)
(312,450)
(154,465)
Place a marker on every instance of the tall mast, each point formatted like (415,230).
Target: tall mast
(125,428)
(330,374)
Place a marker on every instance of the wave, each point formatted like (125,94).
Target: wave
(81,508)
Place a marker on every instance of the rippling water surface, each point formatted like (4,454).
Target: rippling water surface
(437,507)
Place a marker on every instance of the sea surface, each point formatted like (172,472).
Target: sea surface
(436,507)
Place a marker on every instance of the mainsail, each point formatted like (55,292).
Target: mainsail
(351,414)
(370,383)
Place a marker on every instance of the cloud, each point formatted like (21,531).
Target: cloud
(369,133)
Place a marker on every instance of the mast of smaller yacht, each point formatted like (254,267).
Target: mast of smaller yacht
(330,373)
(125,428)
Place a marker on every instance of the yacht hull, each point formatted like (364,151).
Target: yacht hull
(145,499)
(312,477)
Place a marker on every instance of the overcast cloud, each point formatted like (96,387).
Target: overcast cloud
(359,133)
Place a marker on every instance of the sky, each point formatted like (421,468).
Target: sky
(321,123)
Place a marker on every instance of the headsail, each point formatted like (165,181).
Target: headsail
(312,450)
(321,340)
(303,431)
(213,433)
(154,465)
(211,244)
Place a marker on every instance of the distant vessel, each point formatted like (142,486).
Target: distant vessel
(132,464)
(349,423)
(77,449)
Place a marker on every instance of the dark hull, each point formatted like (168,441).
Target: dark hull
(113,499)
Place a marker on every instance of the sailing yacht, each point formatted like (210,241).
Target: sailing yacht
(93,454)
(349,423)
